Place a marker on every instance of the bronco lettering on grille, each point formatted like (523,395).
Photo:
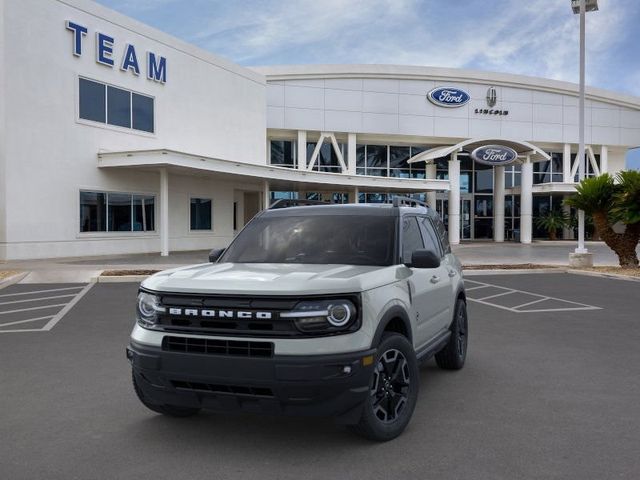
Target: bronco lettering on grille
(212,313)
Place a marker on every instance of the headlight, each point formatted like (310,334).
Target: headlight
(148,309)
(323,316)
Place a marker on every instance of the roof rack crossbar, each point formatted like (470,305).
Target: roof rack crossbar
(295,202)
(399,201)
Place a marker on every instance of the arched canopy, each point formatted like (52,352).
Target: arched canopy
(522,148)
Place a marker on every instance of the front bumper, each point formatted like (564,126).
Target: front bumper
(318,385)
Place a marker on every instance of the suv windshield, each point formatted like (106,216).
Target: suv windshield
(339,239)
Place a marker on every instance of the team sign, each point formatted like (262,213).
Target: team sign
(156,65)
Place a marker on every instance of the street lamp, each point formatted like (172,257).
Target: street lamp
(580,7)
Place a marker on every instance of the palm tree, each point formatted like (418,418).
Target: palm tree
(609,202)
(552,221)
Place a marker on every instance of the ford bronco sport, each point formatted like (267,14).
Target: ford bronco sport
(311,310)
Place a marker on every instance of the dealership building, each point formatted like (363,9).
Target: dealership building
(118,138)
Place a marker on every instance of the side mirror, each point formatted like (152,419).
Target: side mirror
(215,254)
(424,259)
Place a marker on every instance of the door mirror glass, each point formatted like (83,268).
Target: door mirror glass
(215,254)
(424,259)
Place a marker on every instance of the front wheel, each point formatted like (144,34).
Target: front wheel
(454,354)
(393,390)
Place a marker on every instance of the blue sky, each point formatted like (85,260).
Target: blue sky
(530,37)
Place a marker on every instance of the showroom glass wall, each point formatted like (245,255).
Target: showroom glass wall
(476,183)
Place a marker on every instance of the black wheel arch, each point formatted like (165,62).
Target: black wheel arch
(396,319)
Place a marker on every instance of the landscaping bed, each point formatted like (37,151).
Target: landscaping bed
(124,273)
(7,273)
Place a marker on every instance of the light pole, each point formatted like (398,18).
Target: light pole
(580,7)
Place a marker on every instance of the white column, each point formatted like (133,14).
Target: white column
(351,153)
(567,231)
(356,195)
(164,212)
(302,150)
(431,173)
(604,159)
(566,164)
(526,202)
(266,195)
(454,199)
(498,204)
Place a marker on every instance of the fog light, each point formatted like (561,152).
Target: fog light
(368,360)
(346,369)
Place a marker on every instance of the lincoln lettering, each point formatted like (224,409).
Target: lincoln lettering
(129,59)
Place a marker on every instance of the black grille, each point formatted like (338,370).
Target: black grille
(215,388)
(217,347)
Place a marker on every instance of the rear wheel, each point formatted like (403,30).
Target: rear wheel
(393,390)
(454,354)
(170,410)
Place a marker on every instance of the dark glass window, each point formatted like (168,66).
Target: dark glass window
(119,212)
(483,205)
(200,214)
(360,156)
(92,101)
(283,153)
(142,113)
(143,213)
(93,212)
(316,239)
(398,166)
(118,107)
(377,156)
(115,106)
(430,236)
(483,179)
(411,238)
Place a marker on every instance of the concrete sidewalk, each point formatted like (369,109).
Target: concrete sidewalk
(83,269)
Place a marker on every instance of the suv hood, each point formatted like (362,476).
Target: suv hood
(272,278)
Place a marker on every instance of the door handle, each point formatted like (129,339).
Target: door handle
(452,273)
(435,279)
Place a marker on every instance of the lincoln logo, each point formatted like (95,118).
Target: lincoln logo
(492,97)
(494,155)
(448,97)
(212,313)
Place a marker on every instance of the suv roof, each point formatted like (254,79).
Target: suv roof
(309,207)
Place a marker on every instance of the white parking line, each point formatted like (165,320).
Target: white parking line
(41,291)
(520,308)
(38,299)
(53,319)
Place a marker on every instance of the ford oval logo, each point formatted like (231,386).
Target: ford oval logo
(448,97)
(494,155)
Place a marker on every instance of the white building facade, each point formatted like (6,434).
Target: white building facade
(117,138)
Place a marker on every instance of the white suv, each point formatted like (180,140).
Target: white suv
(312,310)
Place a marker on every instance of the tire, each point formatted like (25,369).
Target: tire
(393,390)
(169,410)
(454,354)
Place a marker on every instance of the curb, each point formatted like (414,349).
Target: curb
(120,279)
(613,276)
(12,279)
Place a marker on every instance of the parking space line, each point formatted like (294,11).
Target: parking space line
(41,291)
(51,323)
(25,321)
(520,308)
(33,308)
(38,299)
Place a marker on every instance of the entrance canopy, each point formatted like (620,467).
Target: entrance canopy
(522,148)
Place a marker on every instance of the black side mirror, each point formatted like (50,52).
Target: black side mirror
(424,259)
(215,254)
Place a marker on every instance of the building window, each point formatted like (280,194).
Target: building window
(111,105)
(327,160)
(389,161)
(549,170)
(283,153)
(201,214)
(116,212)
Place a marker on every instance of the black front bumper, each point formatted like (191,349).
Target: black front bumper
(318,385)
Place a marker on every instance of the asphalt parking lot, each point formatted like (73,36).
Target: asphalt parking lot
(549,393)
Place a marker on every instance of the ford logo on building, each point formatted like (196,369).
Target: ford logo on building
(448,97)
(494,155)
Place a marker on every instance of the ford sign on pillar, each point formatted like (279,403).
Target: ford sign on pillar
(448,97)
(494,155)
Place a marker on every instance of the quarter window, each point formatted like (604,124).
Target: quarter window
(201,214)
(411,238)
(116,212)
(430,237)
(103,103)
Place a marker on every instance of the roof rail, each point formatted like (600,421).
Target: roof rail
(400,201)
(295,202)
